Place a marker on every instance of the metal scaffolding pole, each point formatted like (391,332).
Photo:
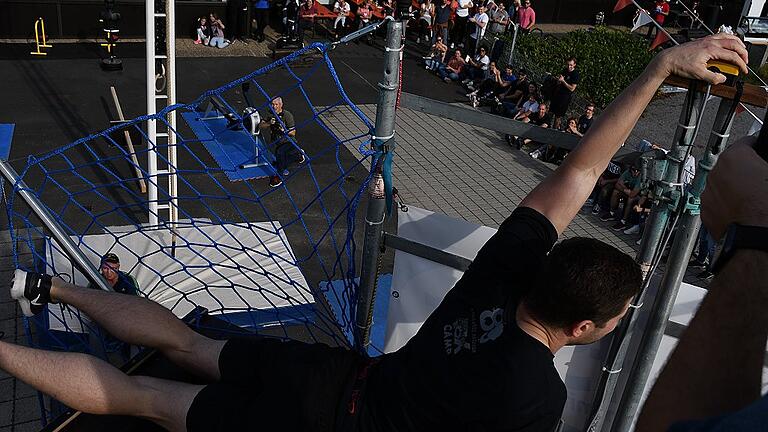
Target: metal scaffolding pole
(685,240)
(664,171)
(57,231)
(384,143)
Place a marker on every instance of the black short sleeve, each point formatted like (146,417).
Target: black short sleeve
(525,237)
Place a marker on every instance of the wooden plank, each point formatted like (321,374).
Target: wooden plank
(121,117)
(753,95)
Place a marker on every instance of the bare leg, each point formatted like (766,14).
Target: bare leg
(91,385)
(139,321)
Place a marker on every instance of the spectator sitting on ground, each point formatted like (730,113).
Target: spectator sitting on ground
(452,69)
(626,189)
(522,110)
(498,18)
(475,69)
(341,9)
(529,107)
(603,188)
(203,31)
(542,118)
(526,17)
(496,84)
(436,55)
(573,127)
(515,95)
(217,31)
(638,215)
(585,121)
(556,155)
(563,93)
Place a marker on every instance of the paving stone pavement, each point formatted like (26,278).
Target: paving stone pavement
(466,172)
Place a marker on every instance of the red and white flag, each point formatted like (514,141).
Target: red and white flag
(621,4)
(660,38)
(642,18)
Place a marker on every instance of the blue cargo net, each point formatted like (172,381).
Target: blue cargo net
(262,258)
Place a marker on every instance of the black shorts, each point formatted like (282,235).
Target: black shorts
(559,105)
(267,384)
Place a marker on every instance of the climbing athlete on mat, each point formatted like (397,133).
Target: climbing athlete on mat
(481,361)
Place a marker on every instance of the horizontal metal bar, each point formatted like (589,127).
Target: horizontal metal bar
(427,252)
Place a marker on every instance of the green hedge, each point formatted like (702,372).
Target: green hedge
(608,60)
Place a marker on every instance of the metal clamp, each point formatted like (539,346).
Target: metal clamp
(385,138)
(605,369)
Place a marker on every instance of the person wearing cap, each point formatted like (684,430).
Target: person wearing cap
(120,281)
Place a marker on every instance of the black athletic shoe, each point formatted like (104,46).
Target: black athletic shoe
(705,275)
(31,290)
(275,181)
(608,216)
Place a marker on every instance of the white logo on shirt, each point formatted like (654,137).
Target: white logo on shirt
(492,323)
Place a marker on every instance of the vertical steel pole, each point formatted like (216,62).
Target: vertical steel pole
(57,231)
(384,142)
(685,240)
(665,172)
(514,41)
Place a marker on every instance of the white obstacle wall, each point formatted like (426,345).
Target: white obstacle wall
(224,277)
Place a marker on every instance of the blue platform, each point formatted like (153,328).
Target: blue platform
(231,148)
(6,135)
(380,310)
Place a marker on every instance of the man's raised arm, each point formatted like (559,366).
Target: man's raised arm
(560,196)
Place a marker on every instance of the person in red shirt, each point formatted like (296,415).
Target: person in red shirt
(659,13)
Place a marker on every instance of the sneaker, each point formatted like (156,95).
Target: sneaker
(418,40)
(31,290)
(198,42)
(508,139)
(302,158)
(519,143)
(472,93)
(446,79)
(596,209)
(619,226)
(706,274)
(634,229)
(535,154)
(608,216)
(465,81)
(475,102)
(589,202)
(275,181)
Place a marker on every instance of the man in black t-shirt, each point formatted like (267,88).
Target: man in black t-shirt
(585,121)
(482,361)
(566,85)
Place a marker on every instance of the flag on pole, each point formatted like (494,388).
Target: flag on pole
(621,4)
(642,18)
(660,38)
